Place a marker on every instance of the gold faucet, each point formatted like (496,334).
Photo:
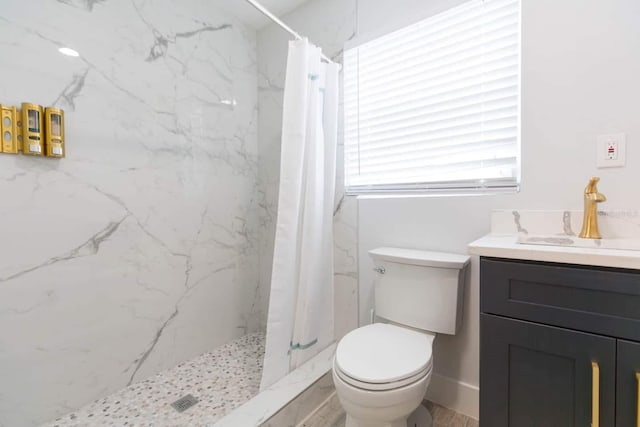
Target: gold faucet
(591,200)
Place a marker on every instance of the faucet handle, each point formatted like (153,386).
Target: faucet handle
(596,197)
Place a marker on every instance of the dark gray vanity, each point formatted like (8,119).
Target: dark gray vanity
(558,344)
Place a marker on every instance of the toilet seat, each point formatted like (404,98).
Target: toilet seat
(380,386)
(382,357)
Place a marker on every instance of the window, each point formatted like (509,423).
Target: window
(435,106)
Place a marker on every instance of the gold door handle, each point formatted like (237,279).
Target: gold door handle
(595,394)
(638,405)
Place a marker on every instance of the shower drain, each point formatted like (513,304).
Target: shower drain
(184,403)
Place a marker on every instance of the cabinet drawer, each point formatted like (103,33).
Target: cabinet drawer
(592,299)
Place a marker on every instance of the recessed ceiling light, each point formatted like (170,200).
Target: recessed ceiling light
(68,51)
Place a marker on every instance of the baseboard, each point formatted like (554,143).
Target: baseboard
(453,394)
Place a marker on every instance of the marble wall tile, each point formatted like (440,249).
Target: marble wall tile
(345,246)
(140,249)
(613,224)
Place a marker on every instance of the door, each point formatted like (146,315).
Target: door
(534,375)
(628,384)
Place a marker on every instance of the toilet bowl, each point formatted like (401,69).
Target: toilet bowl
(382,371)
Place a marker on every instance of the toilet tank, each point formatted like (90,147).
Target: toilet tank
(420,289)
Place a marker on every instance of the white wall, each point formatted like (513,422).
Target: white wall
(580,78)
(139,249)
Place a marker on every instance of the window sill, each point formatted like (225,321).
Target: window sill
(402,194)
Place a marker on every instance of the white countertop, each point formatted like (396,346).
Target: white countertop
(506,246)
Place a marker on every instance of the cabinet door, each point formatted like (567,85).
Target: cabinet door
(628,384)
(533,375)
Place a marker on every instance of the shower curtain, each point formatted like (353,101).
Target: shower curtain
(300,320)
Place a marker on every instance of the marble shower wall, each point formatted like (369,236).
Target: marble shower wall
(140,249)
(330,33)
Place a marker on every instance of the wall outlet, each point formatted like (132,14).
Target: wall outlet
(611,150)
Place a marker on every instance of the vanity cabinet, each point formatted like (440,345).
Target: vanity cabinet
(559,345)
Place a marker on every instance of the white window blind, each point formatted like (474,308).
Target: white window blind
(436,105)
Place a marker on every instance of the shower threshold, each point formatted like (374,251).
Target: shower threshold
(219,381)
(283,396)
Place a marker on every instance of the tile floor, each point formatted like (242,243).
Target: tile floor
(221,381)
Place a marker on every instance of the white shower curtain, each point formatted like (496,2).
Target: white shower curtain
(300,322)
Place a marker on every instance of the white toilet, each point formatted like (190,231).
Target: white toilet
(381,371)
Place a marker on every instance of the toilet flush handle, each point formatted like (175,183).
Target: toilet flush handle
(380,270)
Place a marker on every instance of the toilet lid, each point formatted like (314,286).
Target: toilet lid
(383,353)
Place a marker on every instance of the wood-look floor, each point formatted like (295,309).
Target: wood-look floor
(331,414)
(443,417)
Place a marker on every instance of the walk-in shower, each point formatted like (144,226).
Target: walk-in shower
(136,271)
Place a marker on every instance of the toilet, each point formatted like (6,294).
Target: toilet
(381,371)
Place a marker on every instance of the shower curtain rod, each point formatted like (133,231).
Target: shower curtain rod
(284,26)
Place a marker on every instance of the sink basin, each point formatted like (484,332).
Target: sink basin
(576,242)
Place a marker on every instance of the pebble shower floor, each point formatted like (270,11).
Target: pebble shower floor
(220,380)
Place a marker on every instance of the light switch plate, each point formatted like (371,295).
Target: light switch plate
(611,150)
